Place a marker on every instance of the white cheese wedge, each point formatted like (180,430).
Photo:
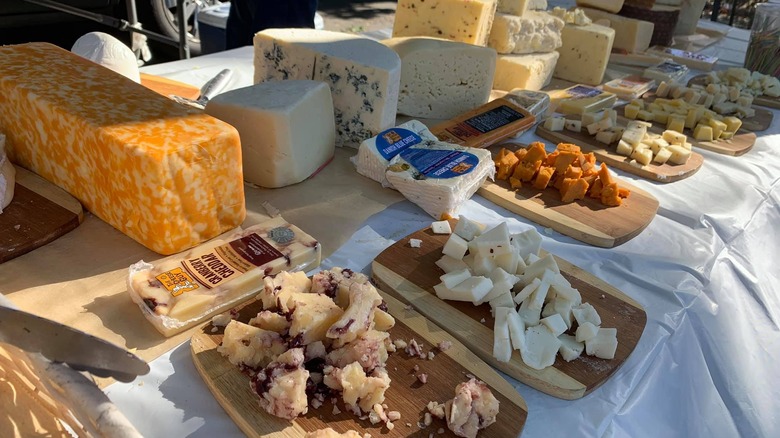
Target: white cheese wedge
(483,264)
(442,79)
(563,307)
(363,75)
(586,331)
(493,242)
(516,330)
(497,291)
(529,316)
(529,72)
(604,344)
(502,347)
(541,347)
(564,291)
(533,32)
(450,264)
(287,129)
(555,324)
(537,268)
(570,349)
(473,289)
(532,258)
(504,300)
(537,298)
(453,279)
(441,227)
(554,124)
(376,153)
(448,175)
(455,247)
(7,177)
(528,242)
(508,262)
(585,312)
(526,291)
(467,228)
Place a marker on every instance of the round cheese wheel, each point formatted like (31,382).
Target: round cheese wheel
(109,52)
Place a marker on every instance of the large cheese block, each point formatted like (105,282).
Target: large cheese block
(7,177)
(519,7)
(441,79)
(439,177)
(585,53)
(363,75)
(630,34)
(376,153)
(534,32)
(166,175)
(467,21)
(287,129)
(529,72)
(604,5)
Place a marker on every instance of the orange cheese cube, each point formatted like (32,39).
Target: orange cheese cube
(573,189)
(609,195)
(623,192)
(515,183)
(572,172)
(568,147)
(535,152)
(550,161)
(595,189)
(543,177)
(526,170)
(506,166)
(604,176)
(521,153)
(168,176)
(565,159)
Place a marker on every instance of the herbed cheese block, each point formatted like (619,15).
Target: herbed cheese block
(363,75)
(166,175)
(533,32)
(441,79)
(287,129)
(467,21)
(7,177)
(630,34)
(585,53)
(529,72)
(605,5)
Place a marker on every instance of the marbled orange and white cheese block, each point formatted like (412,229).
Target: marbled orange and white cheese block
(168,176)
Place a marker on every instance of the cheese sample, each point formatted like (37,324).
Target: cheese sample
(605,5)
(467,21)
(183,290)
(529,72)
(533,32)
(441,79)
(441,177)
(166,175)
(630,34)
(363,75)
(376,153)
(7,177)
(286,127)
(592,43)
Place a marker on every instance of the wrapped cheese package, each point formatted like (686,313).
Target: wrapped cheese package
(181,291)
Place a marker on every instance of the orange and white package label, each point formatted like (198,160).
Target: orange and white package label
(181,291)
(168,176)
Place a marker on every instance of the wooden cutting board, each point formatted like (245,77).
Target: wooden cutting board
(664,173)
(39,213)
(410,274)
(740,144)
(586,220)
(166,86)
(770,102)
(406,394)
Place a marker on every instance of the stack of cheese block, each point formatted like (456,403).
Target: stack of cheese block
(631,35)
(505,270)
(663,16)
(437,176)
(166,175)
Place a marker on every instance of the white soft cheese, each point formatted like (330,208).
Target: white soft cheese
(109,52)
(376,153)
(534,32)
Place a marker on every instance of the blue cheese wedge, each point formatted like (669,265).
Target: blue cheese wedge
(376,153)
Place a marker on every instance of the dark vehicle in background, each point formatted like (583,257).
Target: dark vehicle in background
(155,15)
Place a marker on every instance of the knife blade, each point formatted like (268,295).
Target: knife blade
(210,89)
(60,343)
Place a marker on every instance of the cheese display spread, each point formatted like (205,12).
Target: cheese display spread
(441,79)
(181,291)
(467,21)
(287,129)
(167,176)
(7,177)
(363,75)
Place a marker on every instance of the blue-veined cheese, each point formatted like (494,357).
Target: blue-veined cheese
(376,153)
(166,175)
(441,79)
(363,75)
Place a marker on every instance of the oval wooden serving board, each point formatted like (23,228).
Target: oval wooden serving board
(586,220)
(410,274)
(39,213)
(406,394)
(663,173)
(770,102)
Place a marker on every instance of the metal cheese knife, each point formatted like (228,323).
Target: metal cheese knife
(60,343)
(208,90)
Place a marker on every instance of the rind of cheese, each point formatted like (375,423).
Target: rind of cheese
(529,72)
(533,32)
(363,75)
(585,53)
(467,21)
(442,79)
(166,175)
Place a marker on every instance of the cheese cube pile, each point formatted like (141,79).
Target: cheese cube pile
(721,99)
(167,176)
(504,270)
(754,83)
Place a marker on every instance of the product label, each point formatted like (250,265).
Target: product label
(223,263)
(582,92)
(391,142)
(689,55)
(440,164)
(669,67)
(494,119)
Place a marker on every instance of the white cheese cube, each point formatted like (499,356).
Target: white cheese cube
(555,324)
(453,279)
(634,133)
(604,344)
(508,262)
(589,118)
(529,72)
(500,276)
(441,227)
(601,125)
(483,264)
(449,264)
(503,300)
(442,79)
(537,298)
(497,290)
(607,136)
(520,266)
(586,331)
(585,312)
(573,125)
(674,137)
(472,289)
(516,330)
(624,148)
(526,291)
(287,129)
(662,156)
(554,124)
(467,228)
(570,349)
(548,310)
(493,242)
(537,268)
(565,291)
(532,258)
(533,32)
(502,347)
(642,155)
(680,155)
(541,347)
(526,243)
(530,317)
(455,247)
(563,307)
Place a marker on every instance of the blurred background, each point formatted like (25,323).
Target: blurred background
(22,21)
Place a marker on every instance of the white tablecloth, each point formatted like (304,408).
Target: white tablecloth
(705,271)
